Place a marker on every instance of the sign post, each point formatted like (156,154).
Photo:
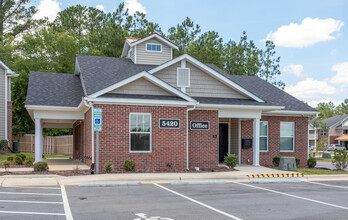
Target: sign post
(97,126)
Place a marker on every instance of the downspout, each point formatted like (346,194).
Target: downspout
(90,104)
(6,99)
(187,136)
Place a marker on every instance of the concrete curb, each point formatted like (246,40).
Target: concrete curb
(118,183)
(198,182)
(276,180)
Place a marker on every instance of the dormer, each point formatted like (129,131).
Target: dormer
(153,49)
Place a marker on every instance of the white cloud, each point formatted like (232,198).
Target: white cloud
(309,32)
(47,8)
(134,6)
(342,73)
(310,88)
(100,7)
(294,69)
(315,103)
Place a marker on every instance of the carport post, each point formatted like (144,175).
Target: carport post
(38,140)
(256,142)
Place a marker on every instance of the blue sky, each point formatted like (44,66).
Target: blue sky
(311,36)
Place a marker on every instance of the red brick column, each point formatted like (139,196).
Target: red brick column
(9,122)
(204,144)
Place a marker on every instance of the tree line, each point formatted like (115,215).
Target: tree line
(28,45)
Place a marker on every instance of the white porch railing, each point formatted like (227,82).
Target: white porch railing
(313,136)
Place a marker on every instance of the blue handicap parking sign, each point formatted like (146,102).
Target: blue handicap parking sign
(97,121)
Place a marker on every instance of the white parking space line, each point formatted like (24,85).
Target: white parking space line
(290,195)
(38,194)
(36,202)
(31,187)
(324,184)
(66,204)
(199,203)
(31,213)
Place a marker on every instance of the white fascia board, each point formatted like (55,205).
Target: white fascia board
(165,41)
(51,108)
(290,113)
(70,115)
(140,101)
(126,43)
(9,71)
(151,78)
(257,107)
(215,74)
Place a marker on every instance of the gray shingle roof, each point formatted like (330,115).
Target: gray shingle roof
(335,119)
(54,89)
(266,91)
(101,72)
(228,101)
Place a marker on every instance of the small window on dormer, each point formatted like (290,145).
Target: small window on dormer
(154,47)
(183,77)
(130,52)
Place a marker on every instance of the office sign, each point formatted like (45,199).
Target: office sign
(97,119)
(199,125)
(169,123)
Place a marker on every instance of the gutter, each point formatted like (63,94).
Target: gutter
(187,136)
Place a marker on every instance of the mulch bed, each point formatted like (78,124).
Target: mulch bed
(86,172)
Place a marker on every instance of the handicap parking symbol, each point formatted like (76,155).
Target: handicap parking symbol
(97,121)
(143,216)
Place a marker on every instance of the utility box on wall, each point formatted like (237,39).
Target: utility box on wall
(247,143)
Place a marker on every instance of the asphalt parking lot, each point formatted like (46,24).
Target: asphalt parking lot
(316,200)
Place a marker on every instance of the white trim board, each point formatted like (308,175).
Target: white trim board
(154,35)
(209,70)
(149,77)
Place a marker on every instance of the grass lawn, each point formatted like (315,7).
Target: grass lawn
(320,172)
(31,155)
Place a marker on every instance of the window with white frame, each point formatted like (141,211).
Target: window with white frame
(264,136)
(154,47)
(140,132)
(287,136)
(322,132)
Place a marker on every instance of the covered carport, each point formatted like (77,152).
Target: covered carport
(343,141)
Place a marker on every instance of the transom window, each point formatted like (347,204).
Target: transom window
(287,136)
(154,47)
(263,136)
(140,132)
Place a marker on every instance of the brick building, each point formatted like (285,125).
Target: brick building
(167,114)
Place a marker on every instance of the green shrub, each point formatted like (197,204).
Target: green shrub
(276,160)
(3,144)
(231,160)
(312,162)
(129,165)
(18,160)
(298,160)
(28,162)
(40,166)
(340,159)
(108,167)
(326,155)
(22,156)
(9,159)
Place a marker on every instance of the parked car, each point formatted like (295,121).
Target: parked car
(335,147)
(310,148)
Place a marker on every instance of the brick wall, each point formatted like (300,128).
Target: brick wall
(78,149)
(332,140)
(301,139)
(203,147)
(88,137)
(168,145)
(323,138)
(9,122)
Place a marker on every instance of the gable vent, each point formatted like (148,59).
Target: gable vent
(183,77)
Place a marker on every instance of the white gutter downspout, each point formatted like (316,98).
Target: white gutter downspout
(6,98)
(187,136)
(90,104)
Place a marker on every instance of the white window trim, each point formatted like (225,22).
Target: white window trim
(264,136)
(153,50)
(130,132)
(177,77)
(293,137)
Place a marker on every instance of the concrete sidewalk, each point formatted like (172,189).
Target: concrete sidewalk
(232,176)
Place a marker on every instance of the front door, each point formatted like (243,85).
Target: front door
(223,142)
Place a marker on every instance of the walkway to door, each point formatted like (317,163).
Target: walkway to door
(56,164)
